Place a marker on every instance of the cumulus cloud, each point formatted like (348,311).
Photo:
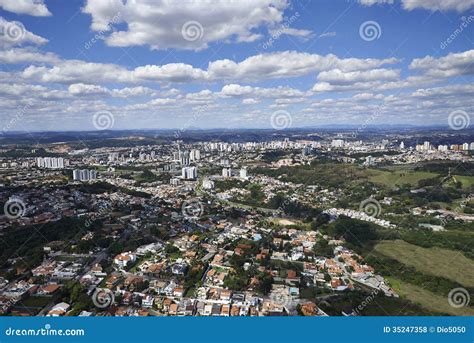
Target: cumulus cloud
(81,89)
(164,24)
(453,64)
(14,33)
(338,77)
(26,55)
(31,7)
(254,68)
(288,64)
(431,5)
(235,90)
(442,5)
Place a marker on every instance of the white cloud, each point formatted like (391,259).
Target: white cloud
(338,77)
(289,31)
(327,34)
(14,33)
(442,5)
(32,7)
(235,90)
(431,5)
(76,71)
(173,72)
(374,2)
(250,101)
(26,55)
(160,23)
(453,64)
(255,68)
(288,64)
(81,89)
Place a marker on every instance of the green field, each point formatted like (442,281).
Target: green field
(427,299)
(434,261)
(467,181)
(37,301)
(398,177)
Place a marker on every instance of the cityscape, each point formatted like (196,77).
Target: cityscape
(236,159)
(298,226)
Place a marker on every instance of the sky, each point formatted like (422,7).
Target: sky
(189,64)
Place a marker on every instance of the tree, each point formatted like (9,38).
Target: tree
(354,231)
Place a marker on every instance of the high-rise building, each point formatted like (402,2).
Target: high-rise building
(174,181)
(243,173)
(226,172)
(114,156)
(337,143)
(184,158)
(51,162)
(189,173)
(208,184)
(195,155)
(84,174)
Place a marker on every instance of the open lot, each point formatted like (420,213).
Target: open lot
(399,176)
(435,261)
(427,299)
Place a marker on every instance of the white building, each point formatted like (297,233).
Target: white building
(226,172)
(208,184)
(195,155)
(124,259)
(442,148)
(51,162)
(84,174)
(337,143)
(174,181)
(243,173)
(189,173)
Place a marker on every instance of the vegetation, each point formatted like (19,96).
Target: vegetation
(431,261)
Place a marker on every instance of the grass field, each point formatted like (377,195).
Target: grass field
(428,300)
(467,181)
(435,261)
(398,177)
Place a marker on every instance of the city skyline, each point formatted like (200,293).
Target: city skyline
(119,65)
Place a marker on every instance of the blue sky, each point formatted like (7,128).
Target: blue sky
(91,64)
